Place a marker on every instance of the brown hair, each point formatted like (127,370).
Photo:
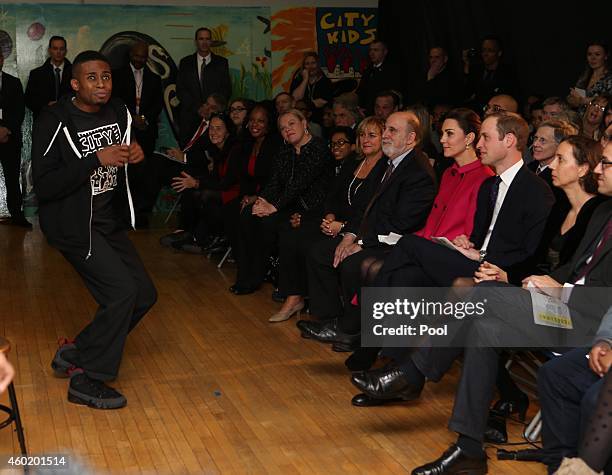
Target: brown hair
(512,123)
(561,129)
(586,151)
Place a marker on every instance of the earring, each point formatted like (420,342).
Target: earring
(467,146)
(306,132)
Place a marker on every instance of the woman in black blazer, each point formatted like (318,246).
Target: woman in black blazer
(298,183)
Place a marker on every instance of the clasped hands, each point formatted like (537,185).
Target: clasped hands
(262,208)
(120,155)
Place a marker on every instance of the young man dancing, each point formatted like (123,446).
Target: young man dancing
(81,149)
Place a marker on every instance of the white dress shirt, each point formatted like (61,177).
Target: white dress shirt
(507,178)
(206,60)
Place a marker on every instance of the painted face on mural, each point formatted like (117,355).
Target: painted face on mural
(92,83)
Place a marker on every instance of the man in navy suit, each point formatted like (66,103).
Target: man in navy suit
(200,74)
(12,109)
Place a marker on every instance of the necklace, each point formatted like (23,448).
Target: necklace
(348,192)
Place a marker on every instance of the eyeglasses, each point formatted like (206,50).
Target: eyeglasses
(605,163)
(494,108)
(540,140)
(338,144)
(597,106)
(607,138)
(237,109)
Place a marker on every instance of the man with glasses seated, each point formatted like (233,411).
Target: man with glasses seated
(500,103)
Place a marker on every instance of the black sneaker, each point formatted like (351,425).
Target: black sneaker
(93,393)
(66,357)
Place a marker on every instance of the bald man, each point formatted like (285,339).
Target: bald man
(501,103)
(141,90)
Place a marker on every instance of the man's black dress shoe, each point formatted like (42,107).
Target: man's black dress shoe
(454,460)
(496,432)
(325,332)
(363,400)
(389,384)
(505,408)
(347,343)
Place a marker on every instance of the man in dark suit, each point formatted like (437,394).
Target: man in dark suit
(50,81)
(490,78)
(380,75)
(439,83)
(403,192)
(200,75)
(12,109)
(141,90)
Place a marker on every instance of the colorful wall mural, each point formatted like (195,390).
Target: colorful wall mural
(264,49)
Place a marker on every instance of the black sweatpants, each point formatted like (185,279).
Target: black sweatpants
(118,281)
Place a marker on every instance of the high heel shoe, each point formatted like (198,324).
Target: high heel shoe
(286,315)
(505,408)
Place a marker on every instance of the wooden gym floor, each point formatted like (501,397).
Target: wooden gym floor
(211,386)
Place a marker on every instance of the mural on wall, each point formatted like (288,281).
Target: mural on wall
(341,37)
(241,34)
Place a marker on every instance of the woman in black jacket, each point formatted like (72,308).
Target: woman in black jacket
(348,187)
(298,183)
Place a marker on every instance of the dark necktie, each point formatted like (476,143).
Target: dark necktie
(586,268)
(364,220)
(494,193)
(57,83)
(202,88)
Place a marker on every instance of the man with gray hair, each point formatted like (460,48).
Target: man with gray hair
(346,111)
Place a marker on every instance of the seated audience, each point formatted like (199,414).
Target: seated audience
(283,102)
(298,183)
(556,108)
(349,186)
(593,117)
(500,103)
(212,190)
(239,110)
(440,85)
(346,111)
(400,204)
(327,120)
(312,85)
(385,103)
(305,108)
(342,146)
(596,78)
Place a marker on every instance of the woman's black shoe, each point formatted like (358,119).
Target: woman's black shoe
(505,408)
(237,289)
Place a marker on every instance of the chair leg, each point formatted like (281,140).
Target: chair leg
(176,203)
(17,417)
(225,256)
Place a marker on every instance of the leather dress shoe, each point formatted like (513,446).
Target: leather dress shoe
(347,343)
(325,332)
(363,400)
(505,408)
(496,432)
(453,460)
(389,384)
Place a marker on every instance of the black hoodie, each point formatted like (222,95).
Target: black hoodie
(62,177)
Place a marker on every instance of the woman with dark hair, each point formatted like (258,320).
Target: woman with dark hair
(210,192)
(258,151)
(312,85)
(347,189)
(239,110)
(596,78)
(298,183)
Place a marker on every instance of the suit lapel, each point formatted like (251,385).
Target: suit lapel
(594,230)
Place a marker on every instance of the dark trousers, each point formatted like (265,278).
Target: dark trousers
(118,281)
(417,262)
(352,277)
(476,386)
(568,391)
(323,279)
(256,239)
(10,157)
(293,248)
